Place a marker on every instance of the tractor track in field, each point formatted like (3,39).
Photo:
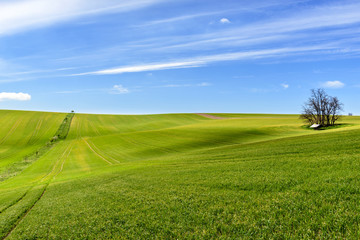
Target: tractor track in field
(78,132)
(16,201)
(36,131)
(102,153)
(97,154)
(64,156)
(11,131)
(94,128)
(48,178)
(62,164)
(67,153)
(25,213)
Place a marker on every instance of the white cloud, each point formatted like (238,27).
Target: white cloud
(285,86)
(19,15)
(204,60)
(14,96)
(224,21)
(333,84)
(119,89)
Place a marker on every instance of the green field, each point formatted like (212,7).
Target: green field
(179,176)
(22,133)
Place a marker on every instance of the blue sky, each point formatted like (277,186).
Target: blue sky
(161,56)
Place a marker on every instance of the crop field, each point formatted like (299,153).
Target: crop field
(21,133)
(178,176)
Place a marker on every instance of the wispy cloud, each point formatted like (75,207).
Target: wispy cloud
(116,89)
(291,30)
(333,84)
(144,68)
(194,48)
(14,96)
(19,73)
(285,86)
(119,89)
(204,60)
(295,27)
(180,18)
(249,6)
(22,15)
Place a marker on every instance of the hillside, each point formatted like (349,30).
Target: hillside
(179,176)
(22,133)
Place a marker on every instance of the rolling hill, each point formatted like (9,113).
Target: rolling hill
(177,176)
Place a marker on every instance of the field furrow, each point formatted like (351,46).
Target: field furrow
(36,131)
(24,213)
(11,131)
(96,153)
(16,216)
(90,143)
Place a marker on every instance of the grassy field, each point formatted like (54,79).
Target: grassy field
(176,176)
(22,133)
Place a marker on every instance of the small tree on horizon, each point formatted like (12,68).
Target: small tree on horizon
(321,108)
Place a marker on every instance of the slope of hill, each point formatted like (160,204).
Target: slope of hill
(187,176)
(22,133)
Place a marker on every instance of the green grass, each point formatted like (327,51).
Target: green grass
(182,176)
(17,167)
(22,134)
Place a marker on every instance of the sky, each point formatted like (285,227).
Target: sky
(177,56)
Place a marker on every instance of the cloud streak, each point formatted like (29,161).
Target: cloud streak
(296,27)
(204,60)
(20,15)
(249,6)
(292,31)
(180,18)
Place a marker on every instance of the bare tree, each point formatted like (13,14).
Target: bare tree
(321,108)
(335,108)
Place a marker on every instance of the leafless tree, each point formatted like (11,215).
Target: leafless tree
(335,108)
(321,108)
